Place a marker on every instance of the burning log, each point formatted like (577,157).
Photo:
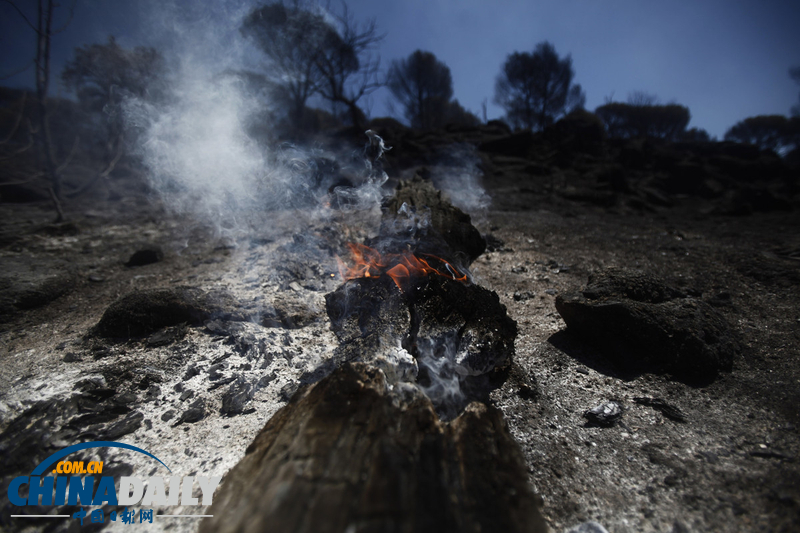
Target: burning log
(352,453)
(368,447)
(451,332)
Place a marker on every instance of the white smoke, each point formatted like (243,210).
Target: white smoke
(458,176)
(441,381)
(197,144)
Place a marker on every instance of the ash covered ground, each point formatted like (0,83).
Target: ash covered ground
(715,221)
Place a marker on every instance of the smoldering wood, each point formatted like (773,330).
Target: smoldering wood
(351,454)
(450,235)
(434,313)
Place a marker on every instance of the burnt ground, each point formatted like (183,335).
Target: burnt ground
(731,466)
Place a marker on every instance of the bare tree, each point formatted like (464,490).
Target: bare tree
(291,38)
(348,70)
(423,86)
(536,88)
(102,76)
(43,28)
(309,54)
(642,98)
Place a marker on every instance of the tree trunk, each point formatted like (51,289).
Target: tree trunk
(350,454)
(44,140)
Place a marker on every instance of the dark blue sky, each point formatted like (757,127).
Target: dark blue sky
(725,60)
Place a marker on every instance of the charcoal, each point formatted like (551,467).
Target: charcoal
(166,336)
(236,397)
(127,425)
(195,413)
(484,333)
(466,320)
(363,306)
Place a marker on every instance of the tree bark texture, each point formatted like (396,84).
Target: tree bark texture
(352,454)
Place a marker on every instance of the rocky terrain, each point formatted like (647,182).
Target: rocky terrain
(132,323)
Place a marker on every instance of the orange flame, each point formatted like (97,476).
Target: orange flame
(369,263)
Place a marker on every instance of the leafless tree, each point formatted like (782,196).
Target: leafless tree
(102,76)
(348,68)
(43,29)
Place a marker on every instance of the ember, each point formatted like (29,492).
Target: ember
(369,263)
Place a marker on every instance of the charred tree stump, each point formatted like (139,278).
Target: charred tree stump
(351,453)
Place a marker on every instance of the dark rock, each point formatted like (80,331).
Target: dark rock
(377,464)
(667,409)
(168,415)
(604,415)
(288,390)
(644,325)
(44,291)
(146,256)
(631,285)
(153,392)
(142,313)
(23,286)
(126,398)
(148,375)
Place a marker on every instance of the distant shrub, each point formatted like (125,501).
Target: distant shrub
(656,121)
(581,130)
(768,132)
(457,115)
